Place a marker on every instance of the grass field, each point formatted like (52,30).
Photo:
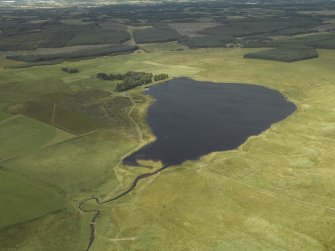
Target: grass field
(3,115)
(276,192)
(25,199)
(19,135)
(192,29)
(45,233)
(76,166)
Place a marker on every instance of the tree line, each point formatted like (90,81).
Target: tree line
(131,79)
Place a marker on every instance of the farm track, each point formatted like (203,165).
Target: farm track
(132,40)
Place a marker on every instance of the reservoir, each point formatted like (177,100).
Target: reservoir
(191,118)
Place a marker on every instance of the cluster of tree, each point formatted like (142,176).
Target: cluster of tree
(284,55)
(105,76)
(156,34)
(56,35)
(70,69)
(85,53)
(160,77)
(131,79)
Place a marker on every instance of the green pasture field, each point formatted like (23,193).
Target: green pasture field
(3,115)
(275,192)
(20,135)
(24,199)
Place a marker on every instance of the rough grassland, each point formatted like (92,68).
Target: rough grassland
(45,233)
(276,192)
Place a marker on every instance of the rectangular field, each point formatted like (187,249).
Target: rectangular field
(20,135)
(24,199)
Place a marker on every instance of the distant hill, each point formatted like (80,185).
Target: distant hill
(64,3)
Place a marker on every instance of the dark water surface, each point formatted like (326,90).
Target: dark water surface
(192,118)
